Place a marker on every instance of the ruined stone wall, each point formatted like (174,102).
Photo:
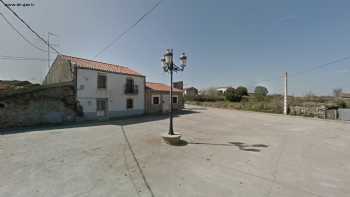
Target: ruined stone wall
(38,105)
(310,111)
(319,111)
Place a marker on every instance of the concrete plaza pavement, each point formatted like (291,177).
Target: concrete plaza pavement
(225,153)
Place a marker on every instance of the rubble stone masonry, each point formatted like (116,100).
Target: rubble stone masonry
(38,105)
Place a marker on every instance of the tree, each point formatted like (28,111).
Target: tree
(261,91)
(341,104)
(242,91)
(337,92)
(231,95)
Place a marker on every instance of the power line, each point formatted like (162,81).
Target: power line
(5,57)
(19,33)
(128,29)
(321,66)
(30,28)
(10,59)
(19,57)
(311,69)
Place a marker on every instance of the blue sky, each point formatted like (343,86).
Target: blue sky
(228,42)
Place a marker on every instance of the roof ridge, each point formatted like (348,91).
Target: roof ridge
(156,82)
(95,61)
(161,85)
(99,65)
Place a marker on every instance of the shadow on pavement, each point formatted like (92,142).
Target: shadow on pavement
(181,143)
(242,146)
(120,121)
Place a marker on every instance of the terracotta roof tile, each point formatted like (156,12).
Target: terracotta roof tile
(95,65)
(160,87)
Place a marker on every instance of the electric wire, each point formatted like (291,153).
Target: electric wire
(342,59)
(29,27)
(20,34)
(120,36)
(311,69)
(15,58)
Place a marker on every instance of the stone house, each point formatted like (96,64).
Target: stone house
(103,90)
(157,97)
(178,85)
(222,90)
(191,91)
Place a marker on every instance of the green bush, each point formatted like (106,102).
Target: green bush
(341,104)
(207,98)
(188,98)
(260,93)
(242,91)
(231,95)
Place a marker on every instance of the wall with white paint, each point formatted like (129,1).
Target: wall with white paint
(87,93)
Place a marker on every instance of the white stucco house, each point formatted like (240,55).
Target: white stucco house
(222,90)
(103,90)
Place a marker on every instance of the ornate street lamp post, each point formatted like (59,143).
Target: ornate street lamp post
(169,66)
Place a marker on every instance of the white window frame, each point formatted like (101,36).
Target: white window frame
(158,99)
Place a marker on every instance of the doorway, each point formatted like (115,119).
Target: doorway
(102,108)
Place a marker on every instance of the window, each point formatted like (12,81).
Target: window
(101,81)
(129,103)
(175,100)
(155,100)
(129,84)
(130,87)
(101,105)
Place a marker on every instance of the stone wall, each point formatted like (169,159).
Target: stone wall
(310,111)
(61,71)
(38,105)
(319,111)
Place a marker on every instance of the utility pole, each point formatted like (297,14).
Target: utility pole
(48,49)
(285,103)
(49,46)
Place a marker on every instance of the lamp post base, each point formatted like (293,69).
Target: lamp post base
(172,139)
